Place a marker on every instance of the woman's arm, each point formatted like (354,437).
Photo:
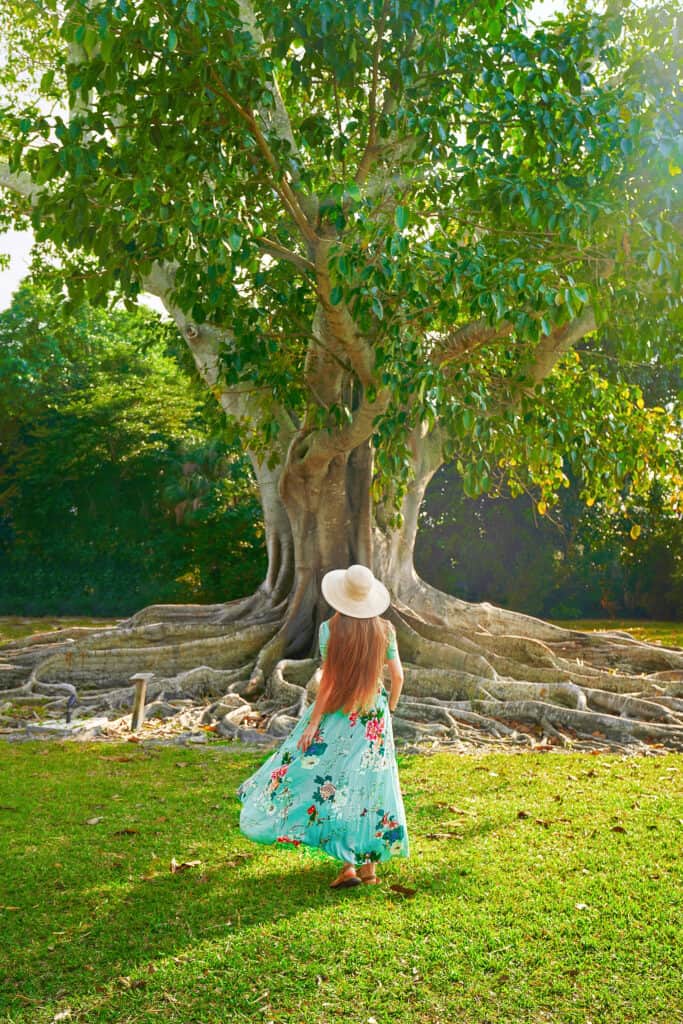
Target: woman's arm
(309,732)
(396,673)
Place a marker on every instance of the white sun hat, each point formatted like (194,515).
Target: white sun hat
(355,592)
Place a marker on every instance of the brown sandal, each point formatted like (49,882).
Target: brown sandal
(342,882)
(368,879)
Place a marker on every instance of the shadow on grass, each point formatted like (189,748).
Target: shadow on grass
(172,915)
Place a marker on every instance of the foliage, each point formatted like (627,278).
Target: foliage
(118,485)
(415,168)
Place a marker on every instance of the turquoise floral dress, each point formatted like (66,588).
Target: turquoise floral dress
(342,796)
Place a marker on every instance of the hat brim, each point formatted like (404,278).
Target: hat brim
(376,601)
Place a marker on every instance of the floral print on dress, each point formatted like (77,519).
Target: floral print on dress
(326,789)
(342,796)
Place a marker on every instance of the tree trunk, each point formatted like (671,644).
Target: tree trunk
(329,512)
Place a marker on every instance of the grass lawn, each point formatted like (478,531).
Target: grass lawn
(15,627)
(571,914)
(668,633)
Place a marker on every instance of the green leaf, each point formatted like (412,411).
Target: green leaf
(336,295)
(353,192)
(172,40)
(401,217)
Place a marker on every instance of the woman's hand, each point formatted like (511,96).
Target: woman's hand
(307,737)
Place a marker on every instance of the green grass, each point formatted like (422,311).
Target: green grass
(15,627)
(668,633)
(554,917)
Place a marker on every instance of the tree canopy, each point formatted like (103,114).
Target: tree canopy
(463,195)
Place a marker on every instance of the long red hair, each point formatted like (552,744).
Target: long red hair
(353,664)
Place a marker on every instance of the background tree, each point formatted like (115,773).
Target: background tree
(380,228)
(577,562)
(118,481)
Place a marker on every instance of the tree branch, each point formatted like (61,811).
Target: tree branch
(463,340)
(369,154)
(204,342)
(321,446)
(545,357)
(282,186)
(553,346)
(341,329)
(278,120)
(279,252)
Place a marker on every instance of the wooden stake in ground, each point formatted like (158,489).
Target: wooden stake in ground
(140,681)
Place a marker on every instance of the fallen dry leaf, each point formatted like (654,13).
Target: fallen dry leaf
(183,865)
(523,814)
(132,982)
(618,828)
(403,890)
(94,821)
(126,832)
(444,835)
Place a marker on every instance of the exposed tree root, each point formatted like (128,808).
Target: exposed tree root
(475,676)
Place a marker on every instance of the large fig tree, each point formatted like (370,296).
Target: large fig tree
(393,233)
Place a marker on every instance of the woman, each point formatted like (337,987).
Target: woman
(333,784)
